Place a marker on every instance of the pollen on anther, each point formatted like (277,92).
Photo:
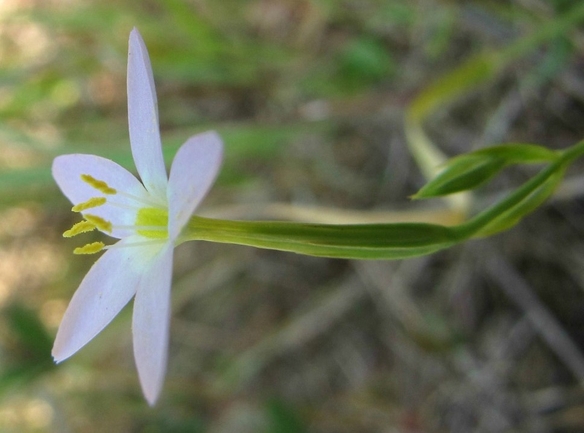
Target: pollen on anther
(80,227)
(100,185)
(91,203)
(99,222)
(92,248)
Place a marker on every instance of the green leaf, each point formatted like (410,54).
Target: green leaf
(30,350)
(462,173)
(467,76)
(512,216)
(517,153)
(471,170)
(30,333)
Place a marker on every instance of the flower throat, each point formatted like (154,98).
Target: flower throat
(151,222)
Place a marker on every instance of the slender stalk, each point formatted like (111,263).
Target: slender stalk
(470,227)
(368,241)
(361,241)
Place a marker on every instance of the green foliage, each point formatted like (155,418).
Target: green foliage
(514,214)
(402,240)
(461,174)
(283,419)
(364,61)
(70,97)
(462,79)
(30,351)
(468,171)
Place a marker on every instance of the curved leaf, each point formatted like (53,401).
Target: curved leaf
(462,174)
(518,153)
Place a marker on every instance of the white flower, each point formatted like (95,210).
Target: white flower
(147,217)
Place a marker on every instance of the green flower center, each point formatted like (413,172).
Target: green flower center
(154,222)
(151,222)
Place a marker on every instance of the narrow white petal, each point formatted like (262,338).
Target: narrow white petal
(193,171)
(67,171)
(143,118)
(151,323)
(107,287)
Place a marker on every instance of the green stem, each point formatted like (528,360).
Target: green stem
(366,241)
(472,226)
(361,241)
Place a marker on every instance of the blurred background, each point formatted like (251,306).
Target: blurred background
(311,98)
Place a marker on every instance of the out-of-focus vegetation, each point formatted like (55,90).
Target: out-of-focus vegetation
(314,99)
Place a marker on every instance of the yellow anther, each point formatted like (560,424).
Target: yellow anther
(92,202)
(99,222)
(100,185)
(80,227)
(92,248)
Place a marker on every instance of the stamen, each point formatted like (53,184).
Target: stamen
(142,200)
(91,203)
(80,227)
(103,187)
(140,228)
(99,185)
(133,244)
(97,201)
(99,222)
(122,205)
(92,248)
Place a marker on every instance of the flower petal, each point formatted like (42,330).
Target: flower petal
(107,287)
(151,322)
(193,171)
(119,209)
(143,118)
